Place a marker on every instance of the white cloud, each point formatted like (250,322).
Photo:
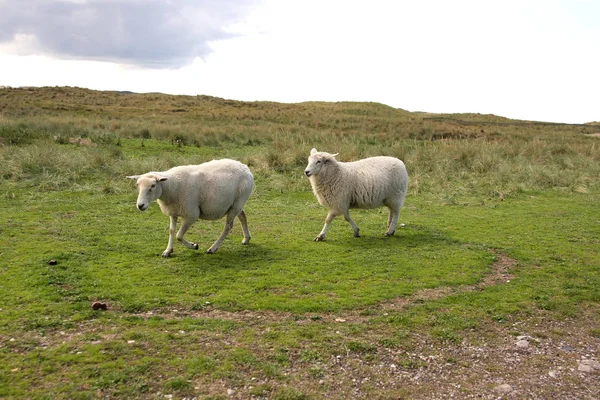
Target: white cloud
(147,33)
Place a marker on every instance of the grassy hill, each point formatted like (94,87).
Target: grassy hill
(274,137)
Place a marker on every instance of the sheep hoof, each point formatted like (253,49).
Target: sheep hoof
(320,238)
(390,233)
(195,246)
(211,251)
(357,234)
(167,253)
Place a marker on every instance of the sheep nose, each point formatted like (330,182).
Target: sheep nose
(307,173)
(141,206)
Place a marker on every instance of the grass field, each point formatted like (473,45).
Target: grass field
(501,241)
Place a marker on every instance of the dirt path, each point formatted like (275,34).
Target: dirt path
(498,274)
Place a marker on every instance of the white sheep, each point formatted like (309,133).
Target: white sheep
(369,183)
(207,191)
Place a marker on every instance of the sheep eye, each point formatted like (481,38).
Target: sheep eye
(318,161)
(153,186)
(326,161)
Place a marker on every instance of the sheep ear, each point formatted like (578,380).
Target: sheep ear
(135,177)
(313,151)
(335,155)
(161,179)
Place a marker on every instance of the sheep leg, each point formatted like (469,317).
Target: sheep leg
(185,225)
(392,222)
(321,236)
(244,221)
(354,226)
(172,227)
(228,225)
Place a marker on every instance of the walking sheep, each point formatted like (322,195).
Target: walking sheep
(209,191)
(369,183)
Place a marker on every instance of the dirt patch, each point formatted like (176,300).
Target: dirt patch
(81,141)
(77,141)
(535,359)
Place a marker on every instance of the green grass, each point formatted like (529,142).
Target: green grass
(264,315)
(105,249)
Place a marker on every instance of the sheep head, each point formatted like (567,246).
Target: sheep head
(149,189)
(317,161)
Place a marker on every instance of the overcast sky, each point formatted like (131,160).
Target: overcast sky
(524,59)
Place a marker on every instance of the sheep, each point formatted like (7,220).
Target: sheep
(207,191)
(369,183)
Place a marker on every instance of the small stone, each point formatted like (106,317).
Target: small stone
(504,388)
(552,374)
(584,368)
(340,320)
(588,366)
(230,392)
(52,262)
(130,341)
(523,344)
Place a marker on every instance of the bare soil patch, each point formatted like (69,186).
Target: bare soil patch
(535,359)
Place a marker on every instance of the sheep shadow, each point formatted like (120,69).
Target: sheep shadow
(408,236)
(265,249)
(231,256)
